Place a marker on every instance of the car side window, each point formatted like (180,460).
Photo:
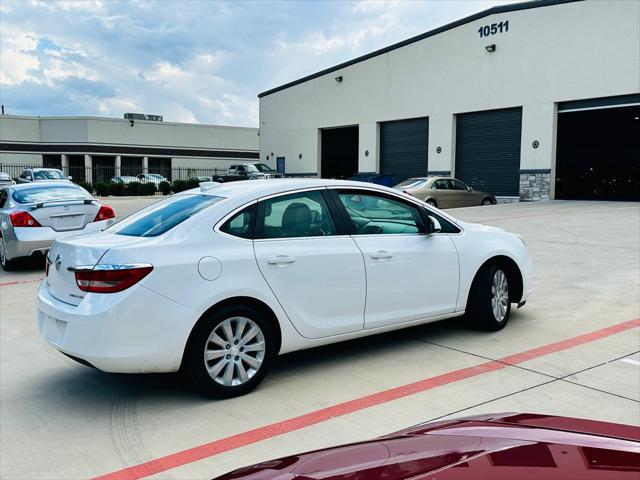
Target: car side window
(304,214)
(241,224)
(3,197)
(23,174)
(458,185)
(373,214)
(441,185)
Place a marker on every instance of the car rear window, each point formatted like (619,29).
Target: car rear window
(49,193)
(164,215)
(413,183)
(48,175)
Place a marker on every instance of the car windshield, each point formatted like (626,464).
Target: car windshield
(50,193)
(413,183)
(156,176)
(161,217)
(48,175)
(263,167)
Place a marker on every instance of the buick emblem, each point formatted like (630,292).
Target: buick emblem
(58,263)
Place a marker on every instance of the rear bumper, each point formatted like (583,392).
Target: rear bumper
(135,331)
(25,241)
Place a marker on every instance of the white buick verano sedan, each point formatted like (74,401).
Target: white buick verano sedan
(217,281)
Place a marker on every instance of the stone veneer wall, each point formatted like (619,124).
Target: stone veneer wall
(535,185)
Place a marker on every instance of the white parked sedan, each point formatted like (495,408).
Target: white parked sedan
(217,281)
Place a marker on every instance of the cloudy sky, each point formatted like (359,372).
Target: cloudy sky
(190,61)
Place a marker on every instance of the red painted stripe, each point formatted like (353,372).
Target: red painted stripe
(296,423)
(18,282)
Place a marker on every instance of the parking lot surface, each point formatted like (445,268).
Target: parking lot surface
(572,350)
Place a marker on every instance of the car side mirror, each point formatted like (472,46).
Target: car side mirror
(69,177)
(433,225)
(469,189)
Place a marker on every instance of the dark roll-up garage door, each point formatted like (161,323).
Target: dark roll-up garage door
(488,150)
(404,145)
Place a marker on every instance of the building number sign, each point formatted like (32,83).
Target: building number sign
(493,29)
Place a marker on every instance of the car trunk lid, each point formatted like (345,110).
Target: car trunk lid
(65,216)
(72,252)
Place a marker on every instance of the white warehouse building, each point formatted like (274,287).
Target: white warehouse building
(94,149)
(527,101)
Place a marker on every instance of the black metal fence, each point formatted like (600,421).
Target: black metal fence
(104,173)
(106,179)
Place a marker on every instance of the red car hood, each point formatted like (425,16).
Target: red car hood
(502,446)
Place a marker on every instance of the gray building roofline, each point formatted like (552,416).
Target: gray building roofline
(113,119)
(491,11)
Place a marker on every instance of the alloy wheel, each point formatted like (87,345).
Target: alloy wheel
(234,351)
(499,295)
(486,201)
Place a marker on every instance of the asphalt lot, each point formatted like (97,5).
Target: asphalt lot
(59,419)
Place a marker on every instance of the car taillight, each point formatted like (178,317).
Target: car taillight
(110,278)
(105,213)
(23,219)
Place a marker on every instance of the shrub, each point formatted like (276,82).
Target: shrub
(132,189)
(148,188)
(102,189)
(116,189)
(193,183)
(87,186)
(179,186)
(165,188)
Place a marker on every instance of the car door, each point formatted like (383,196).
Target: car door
(410,275)
(443,193)
(317,275)
(461,195)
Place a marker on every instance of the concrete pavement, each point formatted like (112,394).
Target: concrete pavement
(59,419)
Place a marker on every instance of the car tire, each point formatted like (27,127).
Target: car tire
(489,306)
(206,363)
(432,202)
(486,201)
(6,264)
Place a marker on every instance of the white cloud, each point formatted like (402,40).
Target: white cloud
(368,6)
(197,61)
(17,58)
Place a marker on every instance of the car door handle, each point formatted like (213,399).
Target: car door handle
(281,260)
(381,255)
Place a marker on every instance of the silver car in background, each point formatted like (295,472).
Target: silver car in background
(126,179)
(41,175)
(151,178)
(5,179)
(33,215)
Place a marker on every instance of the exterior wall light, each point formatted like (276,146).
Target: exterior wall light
(490,48)
(339,79)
